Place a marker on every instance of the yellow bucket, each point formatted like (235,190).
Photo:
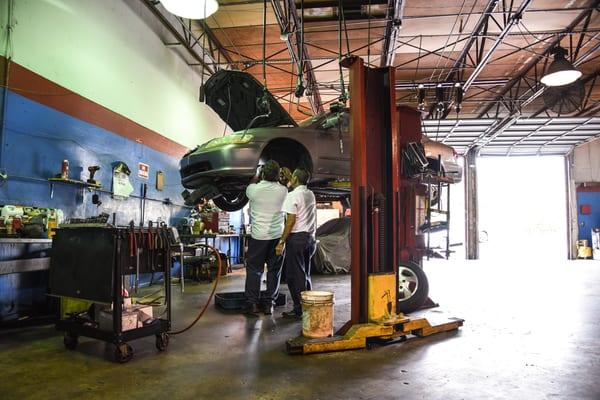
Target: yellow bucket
(317,314)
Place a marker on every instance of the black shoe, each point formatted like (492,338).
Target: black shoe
(268,309)
(253,309)
(292,314)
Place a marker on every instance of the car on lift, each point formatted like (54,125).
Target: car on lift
(221,168)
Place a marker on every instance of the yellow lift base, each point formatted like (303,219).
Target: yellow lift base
(358,335)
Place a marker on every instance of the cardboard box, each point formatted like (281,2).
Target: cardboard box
(129,320)
(132,318)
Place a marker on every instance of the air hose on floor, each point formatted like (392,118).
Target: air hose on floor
(212,293)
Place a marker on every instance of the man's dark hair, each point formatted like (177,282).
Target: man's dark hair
(302,175)
(270,171)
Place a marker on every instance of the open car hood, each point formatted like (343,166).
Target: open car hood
(236,95)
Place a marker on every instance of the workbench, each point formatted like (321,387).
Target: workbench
(24,265)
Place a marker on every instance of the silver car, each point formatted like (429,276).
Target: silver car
(221,168)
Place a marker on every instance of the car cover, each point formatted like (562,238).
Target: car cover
(237,97)
(333,247)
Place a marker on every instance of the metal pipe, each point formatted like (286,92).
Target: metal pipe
(167,24)
(514,19)
(392,31)
(572,227)
(481,25)
(305,66)
(430,85)
(471,209)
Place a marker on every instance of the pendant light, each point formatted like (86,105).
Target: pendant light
(561,72)
(191,9)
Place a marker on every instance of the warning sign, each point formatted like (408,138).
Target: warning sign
(143,170)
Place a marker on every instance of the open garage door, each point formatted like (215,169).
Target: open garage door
(522,208)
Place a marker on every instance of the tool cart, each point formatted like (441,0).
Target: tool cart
(96,263)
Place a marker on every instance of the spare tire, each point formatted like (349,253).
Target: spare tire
(413,287)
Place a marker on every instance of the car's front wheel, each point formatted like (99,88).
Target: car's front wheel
(231,201)
(413,287)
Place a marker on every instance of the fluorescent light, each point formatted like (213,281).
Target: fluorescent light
(191,9)
(561,72)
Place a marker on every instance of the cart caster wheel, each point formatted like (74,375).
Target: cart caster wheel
(123,352)
(162,341)
(71,341)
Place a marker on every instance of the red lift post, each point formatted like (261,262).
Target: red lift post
(383,216)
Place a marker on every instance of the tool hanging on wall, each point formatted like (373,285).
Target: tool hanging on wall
(144,194)
(160,180)
(93,169)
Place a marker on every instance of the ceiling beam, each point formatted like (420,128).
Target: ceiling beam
(305,64)
(511,19)
(392,31)
(212,38)
(535,59)
(476,38)
(183,34)
(478,33)
(514,19)
(335,3)
(515,113)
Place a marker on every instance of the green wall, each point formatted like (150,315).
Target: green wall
(104,51)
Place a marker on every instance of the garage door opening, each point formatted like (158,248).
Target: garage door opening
(522,208)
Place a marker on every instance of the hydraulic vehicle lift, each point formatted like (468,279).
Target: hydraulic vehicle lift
(383,216)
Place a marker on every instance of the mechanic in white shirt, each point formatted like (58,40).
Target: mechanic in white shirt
(266,199)
(298,239)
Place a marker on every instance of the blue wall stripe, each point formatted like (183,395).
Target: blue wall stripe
(38,138)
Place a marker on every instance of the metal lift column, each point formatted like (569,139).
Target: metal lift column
(383,222)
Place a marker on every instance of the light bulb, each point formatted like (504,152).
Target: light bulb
(191,9)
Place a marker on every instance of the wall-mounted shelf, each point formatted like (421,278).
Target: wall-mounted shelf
(73,182)
(76,182)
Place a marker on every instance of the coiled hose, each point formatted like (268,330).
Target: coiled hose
(212,293)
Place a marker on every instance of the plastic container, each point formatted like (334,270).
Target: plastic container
(11,211)
(317,314)
(64,170)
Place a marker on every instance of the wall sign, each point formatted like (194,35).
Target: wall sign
(143,170)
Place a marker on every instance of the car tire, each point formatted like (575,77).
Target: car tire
(413,287)
(231,201)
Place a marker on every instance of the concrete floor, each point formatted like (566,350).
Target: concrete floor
(532,331)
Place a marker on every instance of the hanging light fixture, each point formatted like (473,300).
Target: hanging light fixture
(191,9)
(439,96)
(561,72)
(458,97)
(421,96)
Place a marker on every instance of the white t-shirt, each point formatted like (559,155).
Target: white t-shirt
(301,202)
(266,217)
